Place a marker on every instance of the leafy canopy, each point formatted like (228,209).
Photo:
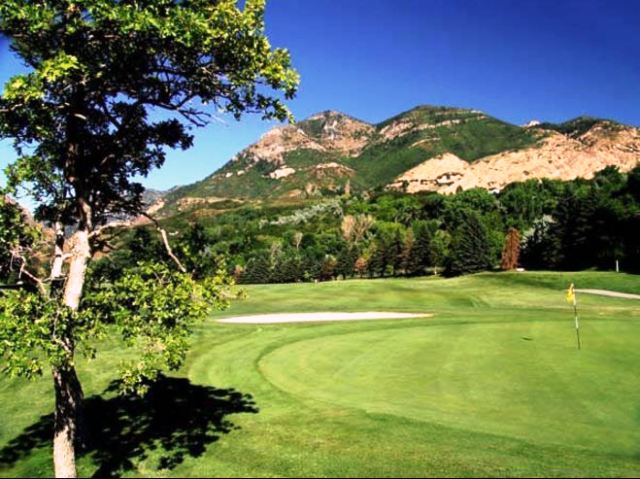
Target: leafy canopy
(99,72)
(151,306)
(111,84)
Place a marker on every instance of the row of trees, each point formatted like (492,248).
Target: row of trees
(535,224)
(592,224)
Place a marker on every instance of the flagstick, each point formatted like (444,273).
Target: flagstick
(575,312)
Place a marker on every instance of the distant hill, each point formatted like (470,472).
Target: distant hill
(424,149)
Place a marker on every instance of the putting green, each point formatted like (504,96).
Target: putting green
(491,385)
(523,380)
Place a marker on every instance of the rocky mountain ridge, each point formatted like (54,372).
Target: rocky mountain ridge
(424,149)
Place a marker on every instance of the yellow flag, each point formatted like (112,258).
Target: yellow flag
(571,295)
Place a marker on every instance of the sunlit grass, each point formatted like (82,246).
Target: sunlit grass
(491,385)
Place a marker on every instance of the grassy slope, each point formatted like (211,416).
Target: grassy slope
(491,385)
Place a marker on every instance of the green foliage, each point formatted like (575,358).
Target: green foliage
(27,324)
(110,87)
(15,235)
(151,306)
(154,310)
(578,126)
(420,255)
(470,247)
(99,66)
(440,248)
(524,203)
(81,124)
(572,225)
(592,224)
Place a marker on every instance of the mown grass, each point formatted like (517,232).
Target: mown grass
(491,385)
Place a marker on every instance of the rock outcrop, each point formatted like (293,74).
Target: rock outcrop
(557,156)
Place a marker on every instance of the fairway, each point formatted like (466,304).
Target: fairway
(492,384)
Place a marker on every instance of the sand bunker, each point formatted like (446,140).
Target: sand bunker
(315,317)
(606,292)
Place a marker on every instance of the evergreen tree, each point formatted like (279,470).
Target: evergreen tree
(310,266)
(257,271)
(470,247)
(395,253)
(540,248)
(572,230)
(440,245)
(407,253)
(346,261)
(420,254)
(289,270)
(377,264)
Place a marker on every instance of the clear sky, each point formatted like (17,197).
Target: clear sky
(516,60)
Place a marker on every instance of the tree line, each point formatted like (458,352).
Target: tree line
(536,224)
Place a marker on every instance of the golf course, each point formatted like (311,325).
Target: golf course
(485,380)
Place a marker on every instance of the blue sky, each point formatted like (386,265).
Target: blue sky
(516,60)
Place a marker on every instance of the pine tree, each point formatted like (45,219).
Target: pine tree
(470,247)
(346,261)
(396,252)
(377,262)
(420,255)
(407,253)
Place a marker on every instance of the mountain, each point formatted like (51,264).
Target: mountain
(577,148)
(424,149)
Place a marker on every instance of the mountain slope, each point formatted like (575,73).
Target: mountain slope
(426,132)
(286,160)
(426,148)
(567,151)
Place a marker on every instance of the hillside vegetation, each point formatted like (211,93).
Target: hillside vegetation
(548,225)
(427,148)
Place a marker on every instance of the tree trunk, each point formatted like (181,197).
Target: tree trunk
(68,391)
(68,403)
(58,256)
(80,255)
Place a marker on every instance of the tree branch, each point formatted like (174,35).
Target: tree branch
(165,241)
(39,283)
(114,224)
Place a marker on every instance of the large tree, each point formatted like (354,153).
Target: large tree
(110,85)
(470,246)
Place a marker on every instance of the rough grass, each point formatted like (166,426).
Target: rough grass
(492,385)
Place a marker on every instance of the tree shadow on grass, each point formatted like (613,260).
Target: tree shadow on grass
(175,418)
